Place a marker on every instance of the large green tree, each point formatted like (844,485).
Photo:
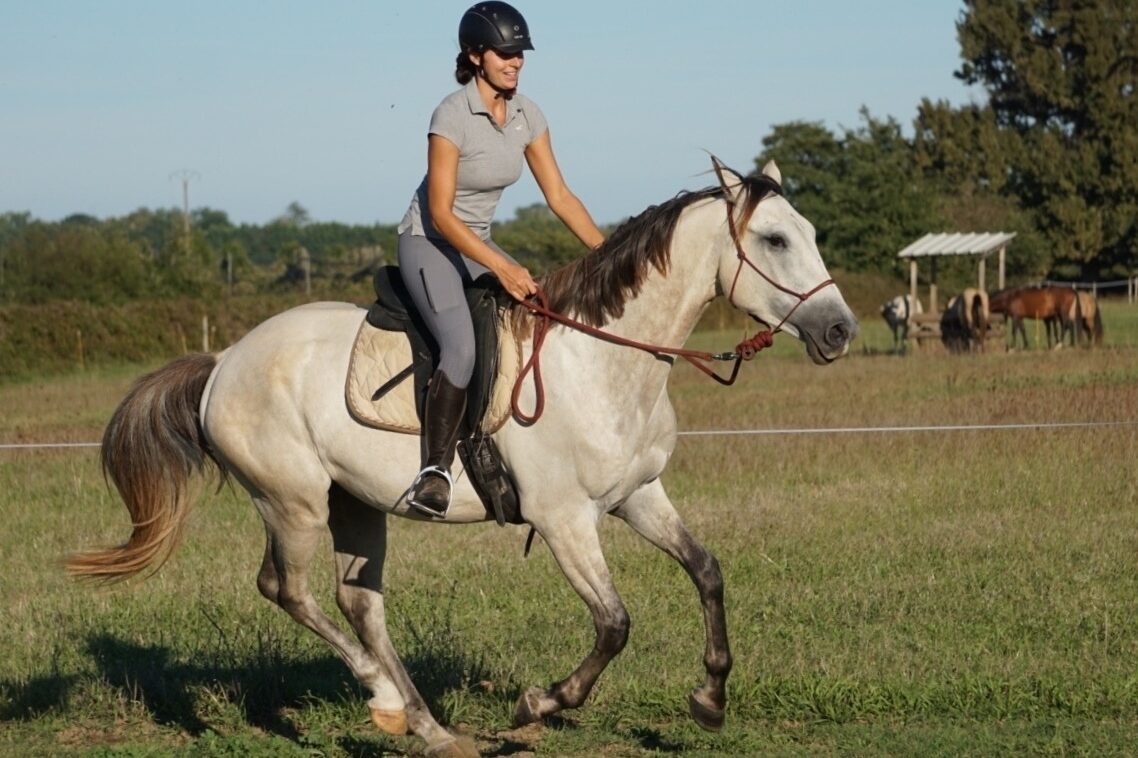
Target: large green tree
(862,190)
(1061,75)
(966,155)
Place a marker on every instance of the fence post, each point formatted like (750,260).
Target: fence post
(205,334)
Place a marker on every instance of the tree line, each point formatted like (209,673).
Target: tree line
(1052,154)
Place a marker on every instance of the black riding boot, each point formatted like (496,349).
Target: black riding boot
(445,405)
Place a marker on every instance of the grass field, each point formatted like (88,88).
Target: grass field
(904,593)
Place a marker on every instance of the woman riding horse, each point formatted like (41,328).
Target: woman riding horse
(476,140)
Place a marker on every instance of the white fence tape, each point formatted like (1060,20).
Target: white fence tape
(759,432)
(888,429)
(37,445)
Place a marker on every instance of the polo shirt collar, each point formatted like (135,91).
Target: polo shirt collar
(474,101)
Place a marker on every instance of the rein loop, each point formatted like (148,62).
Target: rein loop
(539,305)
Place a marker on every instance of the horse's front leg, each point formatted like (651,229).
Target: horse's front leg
(577,548)
(650,512)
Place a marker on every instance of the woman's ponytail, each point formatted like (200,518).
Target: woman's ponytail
(464,68)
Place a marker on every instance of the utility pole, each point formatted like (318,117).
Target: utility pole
(186,175)
(306,266)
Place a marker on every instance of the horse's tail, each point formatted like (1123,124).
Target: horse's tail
(1078,316)
(151,447)
(979,318)
(1098,325)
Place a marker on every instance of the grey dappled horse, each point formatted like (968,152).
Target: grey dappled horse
(269,412)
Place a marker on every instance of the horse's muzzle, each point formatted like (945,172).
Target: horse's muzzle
(829,340)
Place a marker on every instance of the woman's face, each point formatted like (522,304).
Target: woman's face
(500,69)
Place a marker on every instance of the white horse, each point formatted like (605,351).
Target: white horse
(269,412)
(898,313)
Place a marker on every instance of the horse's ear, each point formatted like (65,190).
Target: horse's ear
(771,172)
(729,179)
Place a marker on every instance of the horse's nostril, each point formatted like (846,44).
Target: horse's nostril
(837,335)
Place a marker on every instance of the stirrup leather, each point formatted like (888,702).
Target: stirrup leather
(423,507)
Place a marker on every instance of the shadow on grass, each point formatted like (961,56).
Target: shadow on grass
(654,741)
(263,685)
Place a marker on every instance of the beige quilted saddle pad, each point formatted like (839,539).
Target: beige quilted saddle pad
(378,355)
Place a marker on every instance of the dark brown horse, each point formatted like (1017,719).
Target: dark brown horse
(1051,305)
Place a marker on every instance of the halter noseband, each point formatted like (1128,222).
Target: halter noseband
(769,187)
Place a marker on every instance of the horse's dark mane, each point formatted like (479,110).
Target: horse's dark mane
(596,287)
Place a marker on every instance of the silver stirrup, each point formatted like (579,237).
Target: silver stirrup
(427,509)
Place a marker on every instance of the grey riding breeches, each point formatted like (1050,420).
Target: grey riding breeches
(435,274)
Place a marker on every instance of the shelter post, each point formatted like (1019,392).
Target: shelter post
(913,279)
(1000,278)
(980,274)
(933,307)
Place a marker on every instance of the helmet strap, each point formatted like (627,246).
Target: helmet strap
(502,92)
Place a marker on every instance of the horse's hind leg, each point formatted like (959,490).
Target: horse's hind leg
(292,538)
(359,538)
(652,515)
(577,547)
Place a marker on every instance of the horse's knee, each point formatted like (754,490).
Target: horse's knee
(612,631)
(708,576)
(356,602)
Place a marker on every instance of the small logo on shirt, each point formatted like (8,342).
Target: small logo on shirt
(518,128)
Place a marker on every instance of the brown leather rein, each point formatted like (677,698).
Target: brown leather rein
(744,351)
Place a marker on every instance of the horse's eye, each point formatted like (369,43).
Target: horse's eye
(776,241)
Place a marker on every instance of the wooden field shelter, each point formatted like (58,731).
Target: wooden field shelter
(932,247)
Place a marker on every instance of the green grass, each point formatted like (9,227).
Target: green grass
(919,593)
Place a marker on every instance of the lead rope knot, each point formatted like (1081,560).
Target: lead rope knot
(749,348)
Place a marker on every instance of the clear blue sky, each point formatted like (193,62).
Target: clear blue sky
(327,103)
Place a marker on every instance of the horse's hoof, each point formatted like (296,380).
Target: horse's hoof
(390,722)
(459,747)
(528,708)
(705,714)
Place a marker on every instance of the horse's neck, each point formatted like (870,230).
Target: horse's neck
(668,306)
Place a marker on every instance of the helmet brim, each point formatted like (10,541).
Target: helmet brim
(513,47)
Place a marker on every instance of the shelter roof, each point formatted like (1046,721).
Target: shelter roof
(957,243)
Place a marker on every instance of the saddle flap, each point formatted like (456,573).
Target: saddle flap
(380,356)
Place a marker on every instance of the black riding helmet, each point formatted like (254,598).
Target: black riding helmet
(494,25)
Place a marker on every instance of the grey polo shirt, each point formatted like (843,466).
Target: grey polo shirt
(489,157)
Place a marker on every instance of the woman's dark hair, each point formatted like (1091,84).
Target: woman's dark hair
(464,68)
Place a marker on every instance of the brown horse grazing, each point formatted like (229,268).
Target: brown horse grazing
(1047,304)
(1084,318)
(964,324)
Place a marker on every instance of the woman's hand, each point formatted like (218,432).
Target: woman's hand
(516,279)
